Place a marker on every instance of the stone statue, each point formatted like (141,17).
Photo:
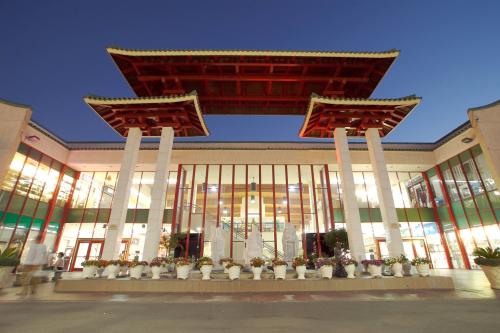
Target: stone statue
(290,243)
(218,243)
(253,245)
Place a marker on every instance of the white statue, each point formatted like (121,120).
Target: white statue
(290,243)
(218,243)
(253,245)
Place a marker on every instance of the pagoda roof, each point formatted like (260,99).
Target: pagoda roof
(150,114)
(253,82)
(356,115)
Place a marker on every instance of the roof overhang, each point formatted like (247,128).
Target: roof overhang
(182,113)
(356,115)
(253,82)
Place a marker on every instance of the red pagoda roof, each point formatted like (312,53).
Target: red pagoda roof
(253,82)
(182,113)
(356,115)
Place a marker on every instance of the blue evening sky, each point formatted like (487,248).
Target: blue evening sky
(53,53)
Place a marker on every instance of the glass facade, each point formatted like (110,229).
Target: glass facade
(444,213)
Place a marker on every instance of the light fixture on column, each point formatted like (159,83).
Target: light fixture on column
(279,211)
(213,188)
(253,185)
(284,201)
(224,211)
(221,202)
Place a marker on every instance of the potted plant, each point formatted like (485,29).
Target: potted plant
(374,267)
(396,266)
(101,266)
(183,266)
(8,261)
(136,268)
(422,265)
(349,266)
(112,267)
(234,270)
(279,268)
(257,265)
(299,263)
(489,261)
(156,266)
(168,264)
(325,266)
(89,269)
(206,264)
(123,267)
(224,262)
(406,265)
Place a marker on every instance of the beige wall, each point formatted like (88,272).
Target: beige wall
(46,144)
(485,121)
(455,146)
(13,119)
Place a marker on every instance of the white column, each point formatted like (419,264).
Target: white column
(385,198)
(122,194)
(158,193)
(351,210)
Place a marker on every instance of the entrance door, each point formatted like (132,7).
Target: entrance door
(91,249)
(411,247)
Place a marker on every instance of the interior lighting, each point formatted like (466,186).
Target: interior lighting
(252,199)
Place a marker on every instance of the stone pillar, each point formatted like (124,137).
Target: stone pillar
(351,210)
(13,119)
(384,192)
(158,193)
(485,121)
(121,197)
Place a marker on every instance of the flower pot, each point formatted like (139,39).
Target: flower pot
(170,267)
(112,271)
(423,269)
(375,271)
(183,271)
(493,275)
(89,272)
(5,272)
(350,269)
(205,271)
(99,271)
(279,272)
(234,272)
(407,269)
(326,271)
(301,272)
(156,270)
(224,264)
(122,271)
(136,272)
(397,269)
(256,272)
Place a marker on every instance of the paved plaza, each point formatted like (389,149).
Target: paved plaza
(472,305)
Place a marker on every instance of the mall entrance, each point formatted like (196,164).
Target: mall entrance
(91,249)
(415,247)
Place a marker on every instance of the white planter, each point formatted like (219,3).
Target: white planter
(156,270)
(89,272)
(224,264)
(326,271)
(350,269)
(5,272)
(123,270)
(375,271)
(493,275)
(423,269)
(279,272)
(100,271)
(183,272)
(205,271)
(234,272)
(256,272)
(136,272)
(301,272)
(397,269)
(112,271)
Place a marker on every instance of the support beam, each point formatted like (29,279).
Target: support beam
(119,206)
(351,210)
(384,191)
(158,193)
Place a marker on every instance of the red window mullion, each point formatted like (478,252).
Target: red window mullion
(274,215)
(67,206)
(287,194)
(260,198)
(232,212)
(453,219)
(304,241)
(318,238)
(176,200)
(52,203)
(188,233)
(330,200)
(218,194)
(202,242)
(246,201)
(438,220)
